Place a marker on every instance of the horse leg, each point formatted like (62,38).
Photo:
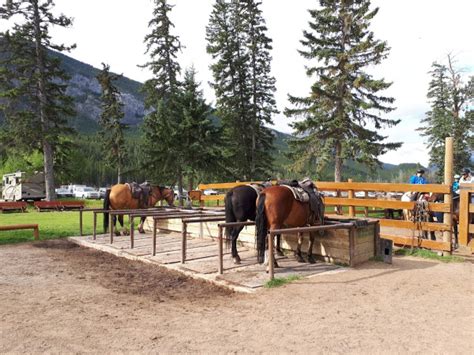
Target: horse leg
(117,232)
(140,227)
(120,218)
(279,252)
(234,235)
(298,255)
(311,258)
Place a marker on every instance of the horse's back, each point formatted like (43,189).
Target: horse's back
(282,209)
(244,200)
(121,197)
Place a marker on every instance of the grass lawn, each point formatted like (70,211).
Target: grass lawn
(51,224)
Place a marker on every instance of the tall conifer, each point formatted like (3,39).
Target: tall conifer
(340,116)
(32,83)
(447,96)
(112,128)
(243,85)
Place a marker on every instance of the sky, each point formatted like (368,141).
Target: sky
(418,32)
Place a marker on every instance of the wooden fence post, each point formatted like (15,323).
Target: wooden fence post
(448,180)
(463,229)
(350,194)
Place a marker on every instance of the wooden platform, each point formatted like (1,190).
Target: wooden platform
(202,259)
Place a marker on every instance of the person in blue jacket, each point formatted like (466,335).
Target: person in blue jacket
(418,178)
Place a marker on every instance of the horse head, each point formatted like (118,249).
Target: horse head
(168,195)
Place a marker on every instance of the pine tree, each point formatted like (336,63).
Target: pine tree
(161,125)
(112,128)
(243,85)
(32,83)
(199,136)
(341,115)
(447,95)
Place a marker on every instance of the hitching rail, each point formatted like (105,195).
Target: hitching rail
(217,218)
(176,216)
(221,226)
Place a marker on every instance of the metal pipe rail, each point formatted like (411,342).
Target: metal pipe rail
(221,226)
(155,213)
(176,216)
(217,218)
(299,230)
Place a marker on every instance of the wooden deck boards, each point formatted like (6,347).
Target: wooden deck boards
(202,259)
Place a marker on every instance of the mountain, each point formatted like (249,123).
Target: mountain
(85,89)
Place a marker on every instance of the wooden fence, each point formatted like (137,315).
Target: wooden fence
(466,215)
(368,197)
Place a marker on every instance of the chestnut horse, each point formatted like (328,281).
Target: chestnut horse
(278,208)
(119,197)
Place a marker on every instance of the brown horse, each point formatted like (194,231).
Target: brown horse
(278,208)
(119,197)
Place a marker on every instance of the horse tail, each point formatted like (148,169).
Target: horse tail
(261,225)
(106,207)
(229,216)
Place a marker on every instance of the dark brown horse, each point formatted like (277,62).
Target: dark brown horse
(277,208)
(119,197)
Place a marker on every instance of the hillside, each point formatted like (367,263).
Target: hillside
(85,89)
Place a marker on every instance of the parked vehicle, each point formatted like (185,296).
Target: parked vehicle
(64,191)
(210,192)
(176,193)
(102,191)
(86,192)
(19,186)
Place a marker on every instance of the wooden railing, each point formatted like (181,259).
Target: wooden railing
(350,199)
(466,213)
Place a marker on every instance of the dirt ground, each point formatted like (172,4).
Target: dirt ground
(58,297)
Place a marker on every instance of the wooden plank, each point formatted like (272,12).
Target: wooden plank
(333,201)
(386,187)
(424,243)
(429,226)
(463,217)
(212,197)
(226,185)
(471,208)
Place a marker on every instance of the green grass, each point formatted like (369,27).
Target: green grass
(51,224)
(428,254)
(280,281)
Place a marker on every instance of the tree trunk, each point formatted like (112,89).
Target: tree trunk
(47,148)
(119,174)
(180,188)
(338,162)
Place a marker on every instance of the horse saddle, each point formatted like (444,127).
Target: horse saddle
(140,192)
(258,187)
(305,191)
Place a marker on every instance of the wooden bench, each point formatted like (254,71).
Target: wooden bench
(72,205)
(58,205)
(13,206)
(22,226)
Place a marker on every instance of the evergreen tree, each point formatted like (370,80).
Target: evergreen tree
(447,95)
(199,137)
(161,125)
(111,120)
(243,85)
(32,83)
(341,115)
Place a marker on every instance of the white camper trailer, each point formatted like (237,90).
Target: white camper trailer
(18,186)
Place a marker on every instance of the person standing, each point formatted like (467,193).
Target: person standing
(466,177)
(418,178)
(456,183)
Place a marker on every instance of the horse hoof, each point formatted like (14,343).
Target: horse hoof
(279,253)
(117,234)
(142,231)
(236,260)
(299,259)
(275,265)
(311,260)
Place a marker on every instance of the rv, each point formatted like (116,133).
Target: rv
(18,186)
